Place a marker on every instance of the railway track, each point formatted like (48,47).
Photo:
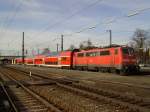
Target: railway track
(6,103)
(104,81)
(131,104)
(122,88)
(25,100)
(66,107)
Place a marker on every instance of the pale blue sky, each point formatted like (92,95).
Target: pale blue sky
(44,20)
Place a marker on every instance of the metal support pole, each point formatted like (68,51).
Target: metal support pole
(38,50)
(142,52)
(57,47)
(62,42)
(110,38)
(23,49)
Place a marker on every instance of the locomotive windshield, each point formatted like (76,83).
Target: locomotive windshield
(125,51)
(128,51)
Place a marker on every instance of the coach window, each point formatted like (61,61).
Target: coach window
(91,54)
(97,53)
(80,54)
(103,53)
(116,51)
(94,53)
(63,59)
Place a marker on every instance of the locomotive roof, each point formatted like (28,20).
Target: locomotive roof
(107,47)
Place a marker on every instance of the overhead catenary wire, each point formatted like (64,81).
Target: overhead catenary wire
(11,18)
(68,17)
(107,22)
(134,13)
(95,26)
(6,19)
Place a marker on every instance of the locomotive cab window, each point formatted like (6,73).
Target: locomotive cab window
(103,53)
(125,51)
(131,51)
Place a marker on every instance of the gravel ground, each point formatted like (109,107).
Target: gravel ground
(71,102)
(98,79)
(87,75)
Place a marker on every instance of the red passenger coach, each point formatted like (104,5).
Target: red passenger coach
(64,60)
(51,61)
(29,61)
(18,60)
(39,60)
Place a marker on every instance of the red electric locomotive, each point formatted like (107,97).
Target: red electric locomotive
(120,59)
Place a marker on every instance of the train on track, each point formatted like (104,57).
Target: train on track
(120,59)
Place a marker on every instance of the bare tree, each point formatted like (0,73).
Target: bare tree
(141,43)
(85,45)
(81,46)
(139,38)
(89,43)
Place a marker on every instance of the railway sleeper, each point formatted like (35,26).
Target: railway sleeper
(101,98)
(104,93)
(27,93)
(110,94)
(119,97)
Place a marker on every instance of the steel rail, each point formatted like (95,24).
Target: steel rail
(45,102)
(111,82)
(9,98)
(113,99)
